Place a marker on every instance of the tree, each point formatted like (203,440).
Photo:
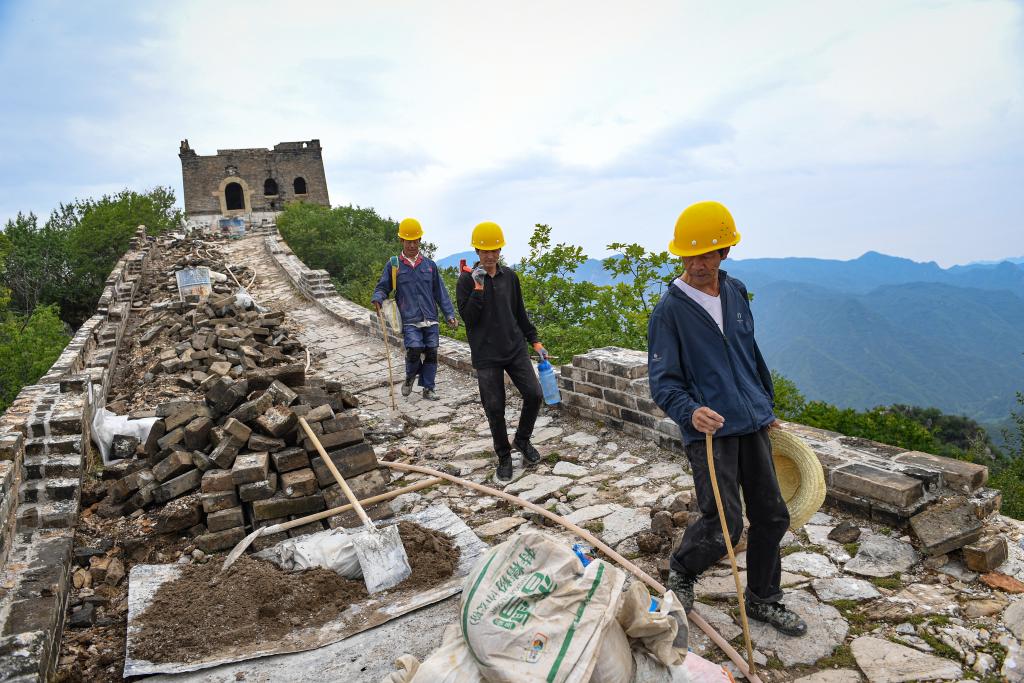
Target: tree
(35,265)
(634,298)
(29,345)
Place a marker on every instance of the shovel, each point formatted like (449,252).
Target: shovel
(237,551)
(380,552)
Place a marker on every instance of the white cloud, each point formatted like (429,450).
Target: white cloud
(823,122)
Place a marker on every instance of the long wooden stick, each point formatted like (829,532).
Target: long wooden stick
(337,476)
(718,640)
(237,551)
(387,354)
(728,546)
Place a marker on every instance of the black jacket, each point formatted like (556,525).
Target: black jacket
(496,319)
(692,363)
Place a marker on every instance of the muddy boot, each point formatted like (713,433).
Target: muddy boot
(407,385)
(681,584)
(504,473)
(778,615)
(530,455)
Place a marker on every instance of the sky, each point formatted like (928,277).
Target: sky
(828,128)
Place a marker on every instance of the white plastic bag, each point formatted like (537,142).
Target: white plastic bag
(106,425)
(389,307)
(531,613)
(331,549)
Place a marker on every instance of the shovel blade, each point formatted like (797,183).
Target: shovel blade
(382,558)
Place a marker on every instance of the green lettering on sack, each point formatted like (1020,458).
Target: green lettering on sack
(575,622)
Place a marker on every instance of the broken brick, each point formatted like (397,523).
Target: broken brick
(178,486)
(197,433)
(258,490)
(277,421)
(986,554)
(290,459)
(216,501)
(250,467)
(178,462)
(225,519)
(282,506)
(298,483)
(259,442)
(220,540)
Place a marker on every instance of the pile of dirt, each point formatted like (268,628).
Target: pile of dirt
(205,610)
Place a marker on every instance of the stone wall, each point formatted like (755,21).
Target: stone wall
(205,178)
(44,447)
(880,482)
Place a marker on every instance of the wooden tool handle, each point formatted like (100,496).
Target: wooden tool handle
(317,516)
(337,475)
(716,637)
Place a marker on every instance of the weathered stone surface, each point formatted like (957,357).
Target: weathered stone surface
(123,446)
(262,442)
(831,676)
(915,600)
(215,501)
(299,483)
(812,564)
(351,462)
(883,661)
(581,439)
(534,487)
(282,506)
(250,467)
(958,474)
(225,519)
(197,433)
(258,490)
(238,431)
(217,480)
(946,525)
(588,513)
(277,421)
(290,459)
(568,469)
(178,486)
(1013,619)
(844,588)
(624,523)
(724,586)
(986,554)
(282,395)
(882,556)
(985,607)
(498,526)
(826,630)
(220,540)
(873,483)
(1002,582)
(844,532)
(719,620)
(224,454)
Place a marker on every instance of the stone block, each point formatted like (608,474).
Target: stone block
(250,467)
(202,461)
(152,445)
(217,480)
(186,414)
(290,459)
(299,483)
(225,519)
(957,474)
(225,393)
(123,488)
(340,439)
(238,431)
(340,422)
(178,462)
(124,446)
(258,490)
(875,484)
(197,433)
(224,454)
(319,414)
(283,506)
(250,410)
(178,486)
(366,485)
(215,541)
(986,554)
(171,438)
(946,526)
(215,501)
(277,421)
(351,462)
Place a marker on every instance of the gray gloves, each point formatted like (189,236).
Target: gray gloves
(478,276)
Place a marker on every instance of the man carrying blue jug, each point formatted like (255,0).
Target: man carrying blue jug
(418,292)
(491,304)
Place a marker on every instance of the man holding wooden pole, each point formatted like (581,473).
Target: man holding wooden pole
(708,375)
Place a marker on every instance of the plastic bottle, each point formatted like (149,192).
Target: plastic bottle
(548,383)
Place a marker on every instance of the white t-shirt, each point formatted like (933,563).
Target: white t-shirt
(711,304)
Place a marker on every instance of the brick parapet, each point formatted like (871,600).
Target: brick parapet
(881,482)
(44,441)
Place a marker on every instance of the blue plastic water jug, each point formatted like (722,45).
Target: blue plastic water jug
(549,383)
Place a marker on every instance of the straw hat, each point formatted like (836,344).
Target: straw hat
(801,478)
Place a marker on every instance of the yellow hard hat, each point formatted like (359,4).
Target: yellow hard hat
(488,236)
(703,227)
(410,229)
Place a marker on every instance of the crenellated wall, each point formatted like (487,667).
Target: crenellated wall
(44,447)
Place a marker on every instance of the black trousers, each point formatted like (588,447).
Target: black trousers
(741,463)
(492,394)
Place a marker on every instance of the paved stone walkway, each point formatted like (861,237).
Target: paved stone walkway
(610,483)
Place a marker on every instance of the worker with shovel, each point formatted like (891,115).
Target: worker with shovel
(708,375)
(419,290)
(491,304)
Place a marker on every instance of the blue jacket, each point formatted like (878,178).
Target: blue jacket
(692,363)
(420,291)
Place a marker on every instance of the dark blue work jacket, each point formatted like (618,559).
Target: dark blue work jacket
(420,291)
(692,363)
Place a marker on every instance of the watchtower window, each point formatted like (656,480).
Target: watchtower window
(233,197)
(270,187)
(300,185)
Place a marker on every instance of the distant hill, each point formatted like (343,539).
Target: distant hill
(453,260)
(880,329)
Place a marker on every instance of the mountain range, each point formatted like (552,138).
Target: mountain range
(879,329)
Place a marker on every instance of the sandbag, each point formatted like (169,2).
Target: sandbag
(663,633)
(615,658)
(451,663)
(106,425)
(330,549)
(530,612)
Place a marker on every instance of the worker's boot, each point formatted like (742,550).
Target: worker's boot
(504,473)
(430,395)
(407,385)
(530,455)
(778,615)
(681,584)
